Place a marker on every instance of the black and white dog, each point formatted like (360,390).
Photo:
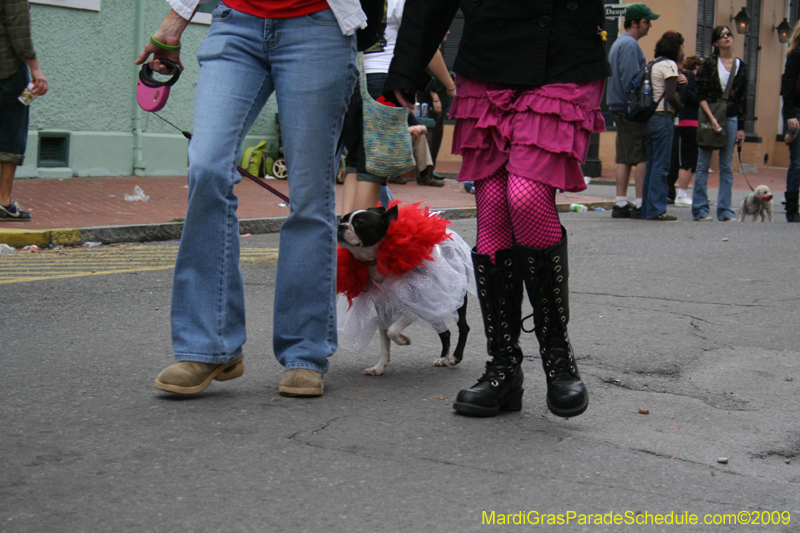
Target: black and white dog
(433,292)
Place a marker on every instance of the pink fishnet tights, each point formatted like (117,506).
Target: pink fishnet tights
(512,210)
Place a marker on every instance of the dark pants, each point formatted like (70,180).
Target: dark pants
(353,129)
(13,117)
(435,135)
(674,168)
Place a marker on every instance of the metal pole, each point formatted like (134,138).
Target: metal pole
(139,165)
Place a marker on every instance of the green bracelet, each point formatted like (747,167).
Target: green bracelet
(169,48)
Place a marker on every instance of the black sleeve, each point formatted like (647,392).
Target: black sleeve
(424,25)
(704,77)
(789,82)
(671,94)
(741,95)
(689,96)
(376,24)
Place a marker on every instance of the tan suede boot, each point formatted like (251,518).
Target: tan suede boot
(301,382)
(188,377)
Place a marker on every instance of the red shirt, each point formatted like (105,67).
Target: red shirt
(277,9)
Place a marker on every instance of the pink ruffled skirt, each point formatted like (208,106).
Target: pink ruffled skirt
(541,133)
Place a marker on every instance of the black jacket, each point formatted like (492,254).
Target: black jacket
(689,98)
(510,42)
(788,84)
(375,10)
(710,89)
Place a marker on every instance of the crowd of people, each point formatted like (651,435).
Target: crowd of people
(689,86)
(664,150)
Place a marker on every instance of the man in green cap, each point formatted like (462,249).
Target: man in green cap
(626,58)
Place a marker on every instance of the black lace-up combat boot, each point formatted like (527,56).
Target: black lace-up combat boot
(791,206)
(545,273)
(500,296)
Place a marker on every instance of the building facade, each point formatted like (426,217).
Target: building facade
(89,124)
(759,47)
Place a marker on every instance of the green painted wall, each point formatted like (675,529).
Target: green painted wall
(88,57)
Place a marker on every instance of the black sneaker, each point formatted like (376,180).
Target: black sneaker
(621,212)
(636,212)
(13,211)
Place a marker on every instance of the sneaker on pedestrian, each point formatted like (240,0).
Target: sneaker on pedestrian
(683,201)
(704,218)
(726,218)
(301,382)
(13,211)
(636,212)
(398,180)
(664,216)
(621,212)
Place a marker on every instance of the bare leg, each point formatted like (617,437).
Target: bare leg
(685,178)
(359,194)
(7,172)
(638,176)
(623,178)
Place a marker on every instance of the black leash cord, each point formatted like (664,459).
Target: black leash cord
(242,171)
(739,149)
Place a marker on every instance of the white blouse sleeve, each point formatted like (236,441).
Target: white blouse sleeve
(185,8)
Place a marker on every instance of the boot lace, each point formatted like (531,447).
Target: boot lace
(496,371)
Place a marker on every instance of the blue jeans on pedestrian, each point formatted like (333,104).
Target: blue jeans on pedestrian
(311,67)
(658,131)
(700,205)
(386,196)
(793,173)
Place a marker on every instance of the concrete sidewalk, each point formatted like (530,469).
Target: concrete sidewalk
(78,210)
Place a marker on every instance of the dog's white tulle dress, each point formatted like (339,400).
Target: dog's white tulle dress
(430,292)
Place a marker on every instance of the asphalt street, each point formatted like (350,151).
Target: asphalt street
(694,323)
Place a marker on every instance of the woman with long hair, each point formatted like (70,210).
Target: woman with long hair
(714,75)
(660,128)
(524,71)
(790,91)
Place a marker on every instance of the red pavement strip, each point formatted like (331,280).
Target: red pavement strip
(100,202)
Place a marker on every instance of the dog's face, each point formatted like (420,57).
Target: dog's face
(365,228)
(763,193)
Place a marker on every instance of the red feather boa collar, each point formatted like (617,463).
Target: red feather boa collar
(408,243)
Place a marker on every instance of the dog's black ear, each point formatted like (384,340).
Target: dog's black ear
(390,215)
(379,210)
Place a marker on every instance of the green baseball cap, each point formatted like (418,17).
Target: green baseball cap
(640,11)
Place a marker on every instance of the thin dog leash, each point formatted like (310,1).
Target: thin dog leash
(739,149)
(241,171)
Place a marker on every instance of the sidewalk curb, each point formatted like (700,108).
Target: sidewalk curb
(41,238)
(172,230)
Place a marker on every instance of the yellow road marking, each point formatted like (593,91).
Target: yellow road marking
(78,262)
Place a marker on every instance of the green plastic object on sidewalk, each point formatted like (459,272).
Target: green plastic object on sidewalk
(256,160)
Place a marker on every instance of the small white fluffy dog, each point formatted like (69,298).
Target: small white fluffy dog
(758,203)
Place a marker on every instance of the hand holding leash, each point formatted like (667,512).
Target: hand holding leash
(165,43)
